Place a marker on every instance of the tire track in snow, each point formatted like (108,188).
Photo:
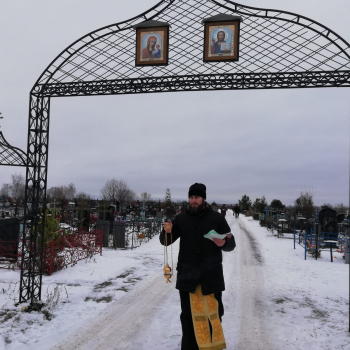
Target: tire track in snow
(134,322)
(245,322)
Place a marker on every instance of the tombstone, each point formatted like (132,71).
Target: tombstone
(112,209)
(327,214)
(331,226)
(104,226)
(340,218)
(159,216)
(84,218)
(70,206)
(119,234)
(309,225)
(9,238)
(170,213)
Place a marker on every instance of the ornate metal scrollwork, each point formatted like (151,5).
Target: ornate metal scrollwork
(10,155)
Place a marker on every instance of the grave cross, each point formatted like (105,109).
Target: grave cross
(265,210)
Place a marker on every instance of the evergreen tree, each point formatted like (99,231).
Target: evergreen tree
(214,206)
(167,199)
(277,204)
(260,204)
(245,203)
(52,227)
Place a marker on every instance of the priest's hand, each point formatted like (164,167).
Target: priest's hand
(168,226)
(219,242)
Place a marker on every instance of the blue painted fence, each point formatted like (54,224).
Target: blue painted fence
(308,241)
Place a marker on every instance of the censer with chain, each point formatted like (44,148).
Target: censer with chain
(167,269)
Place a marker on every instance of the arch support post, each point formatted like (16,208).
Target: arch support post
(35,200)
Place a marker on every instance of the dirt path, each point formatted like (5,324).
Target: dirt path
(148,317)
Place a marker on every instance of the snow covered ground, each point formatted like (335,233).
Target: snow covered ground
(274,299)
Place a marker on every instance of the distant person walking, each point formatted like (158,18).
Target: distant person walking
(236,210)
(223,210)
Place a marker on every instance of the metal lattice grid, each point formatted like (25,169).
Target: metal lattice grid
(10,155)
(271,42)
(35,194)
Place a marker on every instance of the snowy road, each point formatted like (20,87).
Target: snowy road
(130,323)
(274,299)
(244,274)
(143,319)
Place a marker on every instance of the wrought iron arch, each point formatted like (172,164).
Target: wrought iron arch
(10,155)
(278,49)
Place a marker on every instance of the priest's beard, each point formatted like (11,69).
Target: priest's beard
(198,208)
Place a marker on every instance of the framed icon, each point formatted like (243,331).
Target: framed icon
(221,41)
(152,46)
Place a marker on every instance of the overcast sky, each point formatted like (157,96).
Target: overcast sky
(276,143)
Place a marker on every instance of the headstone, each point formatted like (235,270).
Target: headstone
(104,226)
(340,218)
(327,214)
(170,213)
(119,234)
(9,237)
(159,216)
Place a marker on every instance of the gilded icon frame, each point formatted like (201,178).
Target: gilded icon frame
(212,48)
(145,37)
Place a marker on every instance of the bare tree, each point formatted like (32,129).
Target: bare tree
(55,193)
(327,205)
(62,193)
(109,190)
(69,191)
(130,196)
(305,204)
(117,190)
(82,196)
(5,191)
(17,187)
(146,197)
(340,208)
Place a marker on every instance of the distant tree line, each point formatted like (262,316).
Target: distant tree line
(303,205)
(13,192)
(118,191)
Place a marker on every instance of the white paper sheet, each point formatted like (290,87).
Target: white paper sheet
(213,234)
